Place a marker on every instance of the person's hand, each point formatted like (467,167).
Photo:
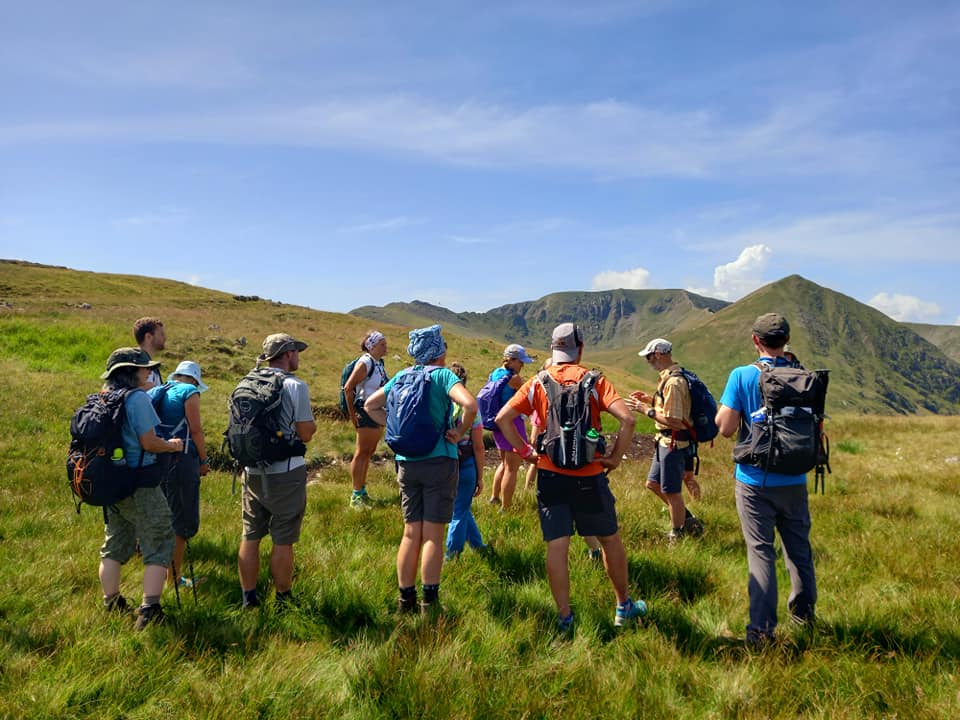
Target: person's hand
(641,396)
(608,462)
(204,469)
(693,487)
(176,445)
(453,436)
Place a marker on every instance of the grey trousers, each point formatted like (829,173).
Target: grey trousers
(786,510)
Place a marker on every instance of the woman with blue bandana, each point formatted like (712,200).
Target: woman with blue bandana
(428,484)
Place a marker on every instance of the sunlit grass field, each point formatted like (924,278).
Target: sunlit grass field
(887,643)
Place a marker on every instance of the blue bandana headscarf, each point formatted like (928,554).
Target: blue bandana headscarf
(426,344)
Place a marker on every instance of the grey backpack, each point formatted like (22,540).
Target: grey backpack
(254,434)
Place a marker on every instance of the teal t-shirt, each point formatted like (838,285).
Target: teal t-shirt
(441,381)
(171,410)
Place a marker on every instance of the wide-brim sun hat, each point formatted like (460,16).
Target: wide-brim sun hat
(279,343)
(127,357)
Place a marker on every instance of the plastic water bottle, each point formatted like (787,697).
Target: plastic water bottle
(590,446)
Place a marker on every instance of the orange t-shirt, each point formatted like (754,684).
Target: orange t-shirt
(565,374)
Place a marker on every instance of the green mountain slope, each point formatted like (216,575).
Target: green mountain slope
(945,337)
(611,318)
(876,364)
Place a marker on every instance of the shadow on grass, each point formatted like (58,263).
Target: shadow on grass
(655,578)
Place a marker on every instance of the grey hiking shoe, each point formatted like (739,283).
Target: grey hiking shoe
(117,604)
(147,614)
(693,527)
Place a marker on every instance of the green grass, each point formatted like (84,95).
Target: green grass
(887,645)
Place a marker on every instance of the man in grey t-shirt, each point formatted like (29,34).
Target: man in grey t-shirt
(275,498)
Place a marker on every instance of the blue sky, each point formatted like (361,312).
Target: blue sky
(475,154)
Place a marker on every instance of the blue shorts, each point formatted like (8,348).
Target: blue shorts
(667,468)
(565,502)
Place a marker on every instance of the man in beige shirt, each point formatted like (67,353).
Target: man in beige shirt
(669,408)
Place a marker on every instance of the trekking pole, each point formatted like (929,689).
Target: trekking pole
(176,583)
(193,576)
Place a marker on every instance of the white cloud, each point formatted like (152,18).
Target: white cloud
(744,275)
(194,280)
(905,308)
(636,279)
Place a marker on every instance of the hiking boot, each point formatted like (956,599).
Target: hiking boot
(693,527)
(431,610)
(801,613)
(565,626)
(117,604)
(628,612)
(451,555)
(405,606)
(676,535)
(147,614)
(595,555)
(757,640)
(284,601)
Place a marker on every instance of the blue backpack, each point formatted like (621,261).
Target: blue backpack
(703,409)
(411,431)
(490,401)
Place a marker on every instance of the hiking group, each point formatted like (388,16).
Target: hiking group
(434,426)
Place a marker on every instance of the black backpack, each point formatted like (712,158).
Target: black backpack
(786,434)
(97,471)
(254,435)
(565,439)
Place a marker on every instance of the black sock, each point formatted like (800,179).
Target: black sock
(430,593)
(284,597)
(250,597)
(409,594)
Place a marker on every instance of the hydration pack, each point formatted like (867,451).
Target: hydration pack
(569,438)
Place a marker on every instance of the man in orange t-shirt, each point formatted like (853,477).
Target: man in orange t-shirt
(580,499)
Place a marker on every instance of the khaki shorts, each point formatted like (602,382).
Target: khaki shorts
(428,489)
(144,516)
(275,504)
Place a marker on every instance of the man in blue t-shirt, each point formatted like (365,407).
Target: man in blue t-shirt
(767,500)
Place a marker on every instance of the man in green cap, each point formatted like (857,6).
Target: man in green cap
(275,496)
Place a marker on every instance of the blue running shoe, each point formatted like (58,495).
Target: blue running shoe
(629,611)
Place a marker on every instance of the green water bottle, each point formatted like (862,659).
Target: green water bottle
(117,457)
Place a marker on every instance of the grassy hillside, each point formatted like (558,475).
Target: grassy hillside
(887,644)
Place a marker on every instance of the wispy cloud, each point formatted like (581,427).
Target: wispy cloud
(164,217)
(905,308)
(394,223)
(636,279)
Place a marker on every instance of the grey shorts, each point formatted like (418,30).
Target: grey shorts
(143,516)
(275,504)
(428,489)
(565,502)
(667,468)
(181,486)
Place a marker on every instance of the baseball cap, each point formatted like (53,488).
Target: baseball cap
(516,352)
(771,326)
(657,345)
(565,342)
(279,343)
(127,357)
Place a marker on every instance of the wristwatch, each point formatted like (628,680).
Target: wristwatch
(651,412)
